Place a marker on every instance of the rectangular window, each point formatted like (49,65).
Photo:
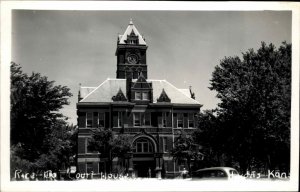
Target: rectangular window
(164,119)
(87,143)
(89,119)
(101,120)
(145,147)
(89,167)
(191,120)
(141,119)
(120,119)
(139,147)
(137,119)
(165,149)
(145,96)
(138,95)
(147,119)
(179,120)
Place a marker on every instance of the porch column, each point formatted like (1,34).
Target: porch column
(129,157)
(158,164)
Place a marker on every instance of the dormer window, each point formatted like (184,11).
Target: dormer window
(138,96)
(141,95)
(145,96)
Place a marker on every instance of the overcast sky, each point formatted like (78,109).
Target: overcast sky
(73,47)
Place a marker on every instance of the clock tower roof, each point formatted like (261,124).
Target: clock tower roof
(131,30)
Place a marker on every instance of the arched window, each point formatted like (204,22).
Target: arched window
(143,145)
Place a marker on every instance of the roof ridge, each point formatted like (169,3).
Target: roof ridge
(156,80)
(86,87)
(95,89)
(115,79)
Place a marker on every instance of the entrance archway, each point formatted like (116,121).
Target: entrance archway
(143,156)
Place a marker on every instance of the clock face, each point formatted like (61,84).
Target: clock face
(132,59)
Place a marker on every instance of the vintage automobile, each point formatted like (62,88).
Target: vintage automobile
(216,173)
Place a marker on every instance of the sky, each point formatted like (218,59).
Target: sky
(72,47)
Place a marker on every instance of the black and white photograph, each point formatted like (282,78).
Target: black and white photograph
(149,96)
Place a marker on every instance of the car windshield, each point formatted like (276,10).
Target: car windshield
(233,172)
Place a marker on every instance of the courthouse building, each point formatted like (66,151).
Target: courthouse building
(152,112)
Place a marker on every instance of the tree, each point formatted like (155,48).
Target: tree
(107,143)
(185,150)
(120,145)
(35,119)
(255,94)
(210,137)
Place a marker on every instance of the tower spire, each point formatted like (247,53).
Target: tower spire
(131,54)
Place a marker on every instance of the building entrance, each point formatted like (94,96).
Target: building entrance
(141,168)
(143,157)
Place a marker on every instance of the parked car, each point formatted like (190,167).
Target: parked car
(217,173)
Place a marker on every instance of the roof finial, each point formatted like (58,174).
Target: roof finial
(130,22)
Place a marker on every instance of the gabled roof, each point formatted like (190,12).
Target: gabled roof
(163,97)
(120,96)
(110,87)
(141,82)
(131,28)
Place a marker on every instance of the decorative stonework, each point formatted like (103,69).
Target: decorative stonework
(120,96)
(163,97)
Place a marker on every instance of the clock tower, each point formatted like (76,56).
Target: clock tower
(131,54)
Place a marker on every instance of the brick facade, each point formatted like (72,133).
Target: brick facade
(152,112)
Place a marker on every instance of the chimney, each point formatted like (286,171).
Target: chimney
(192,93)
(79,95)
